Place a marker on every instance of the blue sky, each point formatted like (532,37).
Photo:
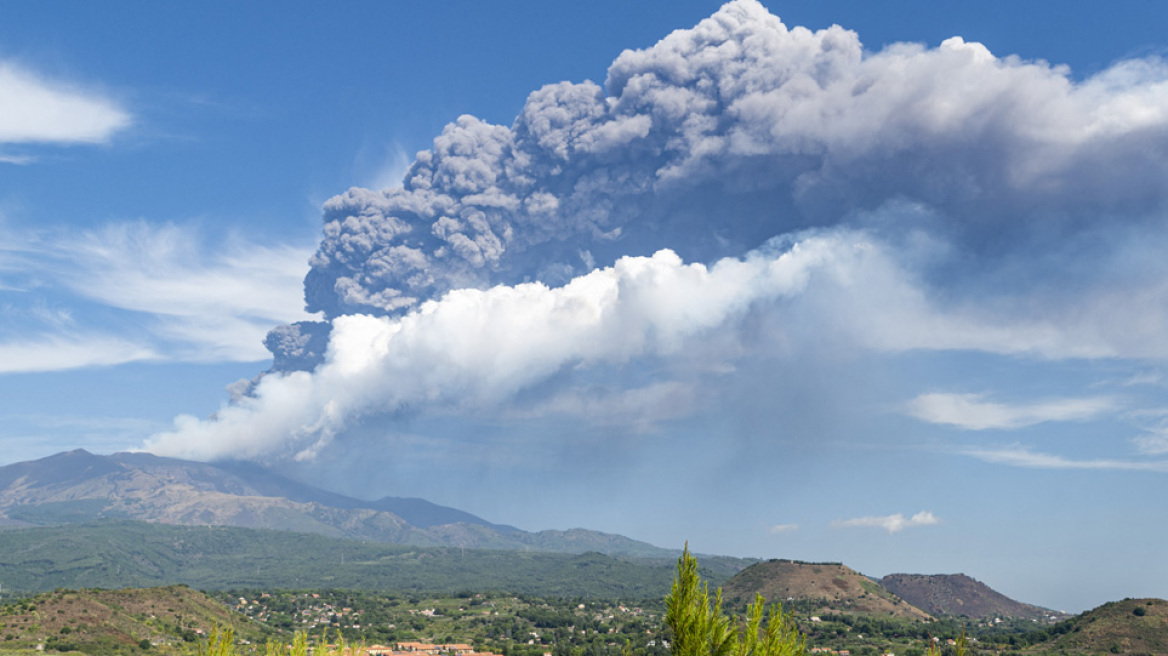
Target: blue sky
(911,314)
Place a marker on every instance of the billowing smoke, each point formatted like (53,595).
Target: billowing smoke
(722,136)
(881,199)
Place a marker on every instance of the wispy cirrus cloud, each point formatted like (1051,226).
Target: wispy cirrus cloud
(70,350)
(150,292)
(972,412)
(1153,442)
(891,523)
(1018,456)
(211,300)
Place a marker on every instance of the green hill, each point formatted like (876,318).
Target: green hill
(157,620)
(1131,626)
(138,554)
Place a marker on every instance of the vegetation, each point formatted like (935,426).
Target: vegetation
(139,554)
(514,625)
(107,622)
(179,621)
(1130,626)
(698,627)
(598,617)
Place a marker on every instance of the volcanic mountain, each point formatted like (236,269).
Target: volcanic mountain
(79,486)
(960,595)
(826,587)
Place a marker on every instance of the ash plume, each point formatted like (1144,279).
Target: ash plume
(739,169)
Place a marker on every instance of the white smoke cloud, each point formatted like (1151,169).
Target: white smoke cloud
(971,412)
(478,348)
(891,523)
(36,110)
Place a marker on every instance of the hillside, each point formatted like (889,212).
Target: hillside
(821,587)
(958,595)
(118,621)
(78,486)
(139,554)
(1131,626)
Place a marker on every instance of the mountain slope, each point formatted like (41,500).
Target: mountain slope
(121,553)
(960,596)
(78,486)
(825,587)
(1131,626)
(119,621)
(417,512)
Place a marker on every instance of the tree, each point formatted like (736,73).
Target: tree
(700,628)
(959,650)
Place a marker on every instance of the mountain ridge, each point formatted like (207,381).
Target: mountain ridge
(78,486)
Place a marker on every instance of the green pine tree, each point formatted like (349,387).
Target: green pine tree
(700,628)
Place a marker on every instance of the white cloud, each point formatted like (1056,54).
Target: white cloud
(1144,378)
(172,295)
(212,302)
(59,352)
(971,412)
(37,110)
(1024,457)
(778,529)
(891,523)
(1154,441)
